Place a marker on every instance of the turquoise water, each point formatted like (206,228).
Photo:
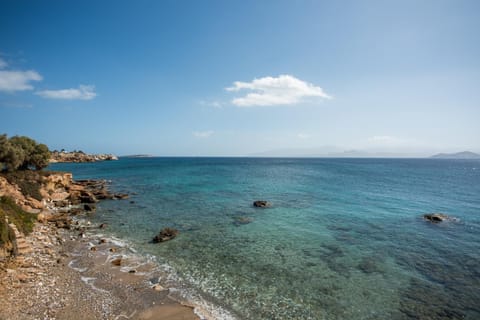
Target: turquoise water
(344,238)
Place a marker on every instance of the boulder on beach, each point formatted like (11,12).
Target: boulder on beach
(117,262)
(165,235)
(437,217)
(261,204)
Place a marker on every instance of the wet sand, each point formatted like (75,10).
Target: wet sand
(70,276)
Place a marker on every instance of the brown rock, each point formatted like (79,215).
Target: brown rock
(89,207)
(117,262)
(261,204)
(435,217)
(165,235)
(158,287)
(22,277)
(103,226)
(121,196)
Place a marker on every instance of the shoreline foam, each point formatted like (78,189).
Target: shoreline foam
(63,279)
(148,267)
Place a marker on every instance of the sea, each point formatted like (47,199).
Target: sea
(342,239)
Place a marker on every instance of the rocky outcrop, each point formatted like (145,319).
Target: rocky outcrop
(90,192)
(79,156)
(165,235)
(61,197)
(261,204)
(436,217)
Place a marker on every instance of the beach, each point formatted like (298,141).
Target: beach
(63,278)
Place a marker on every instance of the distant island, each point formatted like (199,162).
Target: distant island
(458,155)
(138,156)
(79,156)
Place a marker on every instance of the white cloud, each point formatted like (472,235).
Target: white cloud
(270,91)
(13,80)
(83,92)
(3,63)
(302,135)
(203,134)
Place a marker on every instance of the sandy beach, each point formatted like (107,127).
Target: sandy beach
(65,275)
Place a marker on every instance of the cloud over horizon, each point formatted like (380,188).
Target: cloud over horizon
(83,92)
(271,91)
(202,134)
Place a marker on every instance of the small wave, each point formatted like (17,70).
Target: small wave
(202,308)
(70,264)
(118,242)
(135,260)
(90,281)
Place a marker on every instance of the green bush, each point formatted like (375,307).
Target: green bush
(23,220)
(20,152)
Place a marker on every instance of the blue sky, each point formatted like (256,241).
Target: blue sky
(242,77)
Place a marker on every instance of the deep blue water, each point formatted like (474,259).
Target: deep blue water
(344,238)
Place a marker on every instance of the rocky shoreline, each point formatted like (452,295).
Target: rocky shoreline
(65,269)
(80,156)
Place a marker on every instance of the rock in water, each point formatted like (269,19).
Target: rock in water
(165,235)
(89,207)
(435,217)
(261,204)
(117,262)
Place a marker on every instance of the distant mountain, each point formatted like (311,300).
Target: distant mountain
(333,152)
(458,155)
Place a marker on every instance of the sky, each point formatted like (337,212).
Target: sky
(239,78)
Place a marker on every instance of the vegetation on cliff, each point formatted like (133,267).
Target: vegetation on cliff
(29,182)
(22,153)
(23,220)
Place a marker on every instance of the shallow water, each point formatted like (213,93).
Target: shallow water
(344,238)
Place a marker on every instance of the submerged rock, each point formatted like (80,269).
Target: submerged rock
(242,220)
(436,217)
(120,196)
(261,204)
(369,265)
(165,235)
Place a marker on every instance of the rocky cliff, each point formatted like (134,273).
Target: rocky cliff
(49,197)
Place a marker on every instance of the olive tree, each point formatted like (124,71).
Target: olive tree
(20,152)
